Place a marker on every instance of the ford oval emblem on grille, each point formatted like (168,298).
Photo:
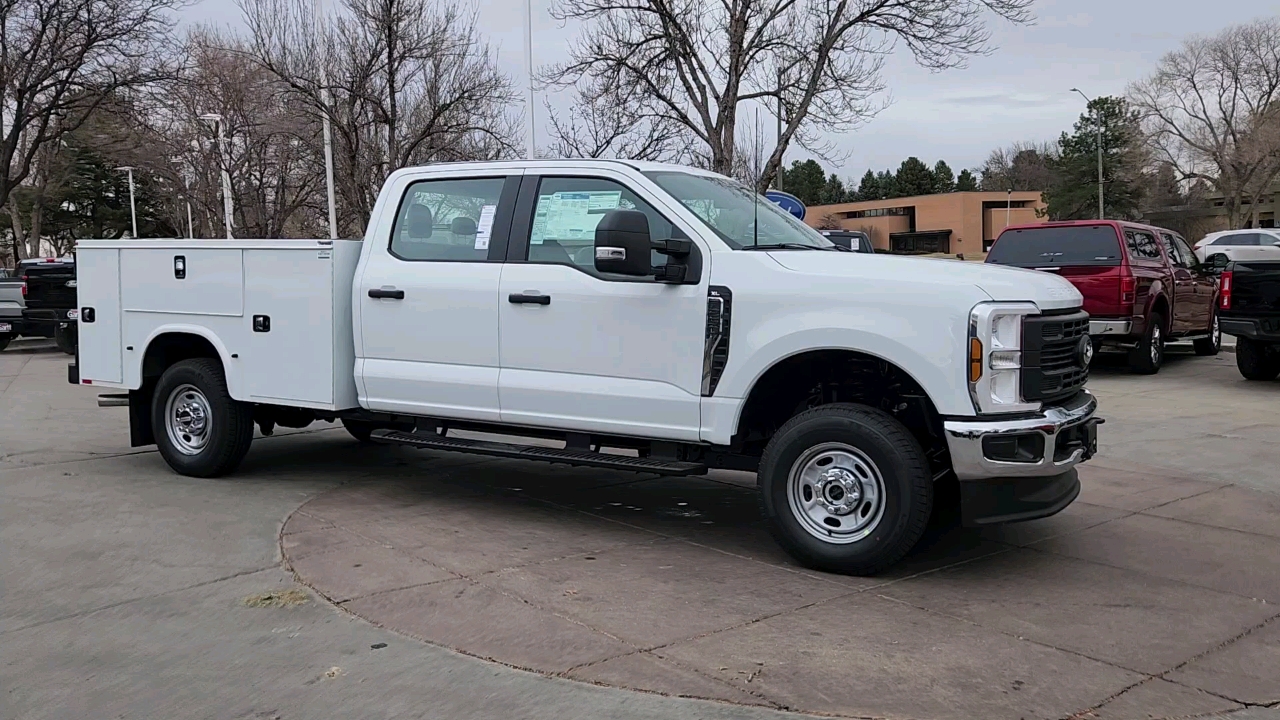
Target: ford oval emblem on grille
(1085,351)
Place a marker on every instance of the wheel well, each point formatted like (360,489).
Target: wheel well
(170,348)
(1161,305)
(821,377)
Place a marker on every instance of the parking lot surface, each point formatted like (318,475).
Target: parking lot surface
(450,586)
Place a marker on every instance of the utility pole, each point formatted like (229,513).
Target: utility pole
(1098,123)
(327,129)
(133,208)
(227,213)
(781,165)
(531,149)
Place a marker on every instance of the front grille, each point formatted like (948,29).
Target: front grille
(1053,366)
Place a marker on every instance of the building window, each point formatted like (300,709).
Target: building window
(877,212)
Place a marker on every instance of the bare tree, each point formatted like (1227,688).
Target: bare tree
(1021,166)
(695,62)
(1211,110)
(60,59)
(403,82)
(603,123)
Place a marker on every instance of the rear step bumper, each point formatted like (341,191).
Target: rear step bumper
(432,441)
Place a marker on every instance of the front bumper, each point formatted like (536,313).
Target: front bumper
(1068,432)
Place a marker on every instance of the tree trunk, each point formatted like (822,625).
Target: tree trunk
(19,235)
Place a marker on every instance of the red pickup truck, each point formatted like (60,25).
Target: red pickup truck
(1142,285)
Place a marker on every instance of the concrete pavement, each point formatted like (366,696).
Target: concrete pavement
(125,585)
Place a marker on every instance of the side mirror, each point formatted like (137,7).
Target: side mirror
(622,243)
(1219,262)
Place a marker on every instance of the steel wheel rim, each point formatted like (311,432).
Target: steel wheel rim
(1155,344)
(836,493)
(187,419)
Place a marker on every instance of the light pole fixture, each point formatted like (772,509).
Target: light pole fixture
(186,196)
(227,215)
(1098,113)
(133,208)
(531,150)
(326,129)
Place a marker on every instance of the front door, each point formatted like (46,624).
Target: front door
(585,351)
(427,299)
(1186,304)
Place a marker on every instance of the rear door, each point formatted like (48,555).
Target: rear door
(427,297)
(1188,307)
(1206,285)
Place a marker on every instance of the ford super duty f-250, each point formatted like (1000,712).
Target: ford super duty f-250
(653,318)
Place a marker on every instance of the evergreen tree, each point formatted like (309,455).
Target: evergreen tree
(1073,193)
(913,178)
(888,185)
(805,180)
(868,188)
(833,191)
(944,181)
(966,182)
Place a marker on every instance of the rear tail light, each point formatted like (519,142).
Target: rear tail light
(1128,288)
(23,285)
(1224,298)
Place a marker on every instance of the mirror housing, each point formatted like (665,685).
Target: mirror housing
(1218,262)
(622,243)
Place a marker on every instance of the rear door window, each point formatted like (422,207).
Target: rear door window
(1142,245)
(1094,245)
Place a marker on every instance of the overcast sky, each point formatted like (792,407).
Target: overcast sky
(1021,91)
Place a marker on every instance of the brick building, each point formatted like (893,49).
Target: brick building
(949,223)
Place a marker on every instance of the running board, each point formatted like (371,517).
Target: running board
(587,458)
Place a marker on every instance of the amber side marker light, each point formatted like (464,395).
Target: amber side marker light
(975,359)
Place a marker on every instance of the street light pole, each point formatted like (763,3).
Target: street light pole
(133,208)
(227,213)
(186,196)
(1098,122)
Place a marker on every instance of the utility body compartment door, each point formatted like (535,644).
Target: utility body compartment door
(98,291)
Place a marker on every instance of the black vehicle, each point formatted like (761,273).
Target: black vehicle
(851,239)
(1249,308)
(50,295)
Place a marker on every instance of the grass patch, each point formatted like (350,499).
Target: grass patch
(276,599)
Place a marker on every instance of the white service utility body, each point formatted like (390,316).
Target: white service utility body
(654,318)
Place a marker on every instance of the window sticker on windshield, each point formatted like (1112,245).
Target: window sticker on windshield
(571,215)
(485,226)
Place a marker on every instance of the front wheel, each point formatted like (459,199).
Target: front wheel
(845,488)
(4,340)
(1147,358)
(1256,361)
(1212,344)
(199,429)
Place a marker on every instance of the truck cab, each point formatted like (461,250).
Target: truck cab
(646,317)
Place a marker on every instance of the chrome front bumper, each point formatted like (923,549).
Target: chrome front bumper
(1110,327)
(969,461)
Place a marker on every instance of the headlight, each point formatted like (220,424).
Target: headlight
(995,357)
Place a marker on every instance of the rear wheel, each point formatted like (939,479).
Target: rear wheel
(361,430)
(65,339)
(4,340)
(1147,358)
(1212,344)
(1256,360)
(845,488)
(199,429)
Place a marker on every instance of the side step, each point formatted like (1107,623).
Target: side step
(433,441)
(113,400)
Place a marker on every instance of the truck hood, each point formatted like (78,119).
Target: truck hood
(1047,291)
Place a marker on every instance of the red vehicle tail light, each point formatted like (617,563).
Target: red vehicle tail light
(23,285)
(1224,297)
(1128,288)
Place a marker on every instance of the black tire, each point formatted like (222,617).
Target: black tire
(907,497)
(4,340)
(361,430)
(65,339)
(226,432)
(1256,361)
(1210,346)
(1147,358)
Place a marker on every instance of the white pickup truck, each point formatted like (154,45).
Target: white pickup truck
(653,318)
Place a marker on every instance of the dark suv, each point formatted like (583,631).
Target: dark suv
(1142,285)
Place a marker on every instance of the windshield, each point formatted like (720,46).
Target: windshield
(740,217)
(1094,245)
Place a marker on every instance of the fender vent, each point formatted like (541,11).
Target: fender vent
(716,352)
